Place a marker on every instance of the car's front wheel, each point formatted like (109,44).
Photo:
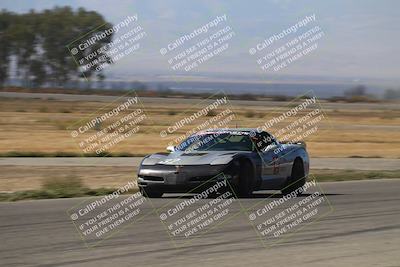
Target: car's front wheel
(243,183)
(297,178)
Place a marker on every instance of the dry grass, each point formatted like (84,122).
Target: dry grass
(33,177)
(42,126)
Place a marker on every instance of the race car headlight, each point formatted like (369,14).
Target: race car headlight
(221,161)
(152,159)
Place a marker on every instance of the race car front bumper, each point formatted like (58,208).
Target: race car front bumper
(176,178)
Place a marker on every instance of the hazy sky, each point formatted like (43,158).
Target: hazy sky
(361,37)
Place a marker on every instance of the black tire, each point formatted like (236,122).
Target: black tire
(243,186)
(297,178)
(150,193)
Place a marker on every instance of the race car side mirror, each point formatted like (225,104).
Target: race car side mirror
(271,147)
(170,148)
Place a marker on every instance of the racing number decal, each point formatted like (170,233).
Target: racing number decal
(275,168)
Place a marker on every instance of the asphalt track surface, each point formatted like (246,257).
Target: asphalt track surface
(316,163)
(362,229)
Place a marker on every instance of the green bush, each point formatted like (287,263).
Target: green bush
(211,113)
(249,114)
(67,186)
(43,109)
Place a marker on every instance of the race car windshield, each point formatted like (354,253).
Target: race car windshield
(217,142)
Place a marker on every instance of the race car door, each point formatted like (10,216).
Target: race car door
(271,172)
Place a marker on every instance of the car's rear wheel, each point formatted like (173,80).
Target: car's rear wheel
(151,193)
(297,178)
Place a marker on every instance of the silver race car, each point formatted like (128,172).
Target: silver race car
(247,159)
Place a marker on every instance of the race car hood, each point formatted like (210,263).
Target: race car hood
(192,158)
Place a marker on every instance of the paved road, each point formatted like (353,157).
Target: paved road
(316,163)
(363,229)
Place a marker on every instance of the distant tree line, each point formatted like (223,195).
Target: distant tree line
(34,44)
(359,92)
(391,94)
